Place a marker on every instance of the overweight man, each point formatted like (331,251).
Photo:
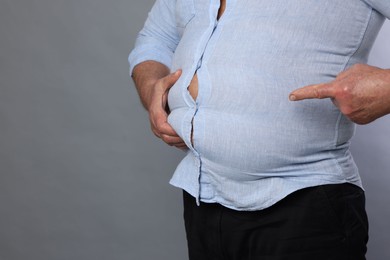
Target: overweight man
(263,97)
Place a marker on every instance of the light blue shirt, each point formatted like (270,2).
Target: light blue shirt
(252,146)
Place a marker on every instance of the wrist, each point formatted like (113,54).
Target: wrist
(145,76)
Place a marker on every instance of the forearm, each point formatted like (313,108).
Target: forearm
(387,98)
(145,76)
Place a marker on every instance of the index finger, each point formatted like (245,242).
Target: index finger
(166,129)
(319,91)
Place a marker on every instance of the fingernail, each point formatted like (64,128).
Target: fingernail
(292,97)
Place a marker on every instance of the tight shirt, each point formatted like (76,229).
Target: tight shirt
(251,146)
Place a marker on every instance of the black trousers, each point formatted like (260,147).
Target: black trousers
(324,222)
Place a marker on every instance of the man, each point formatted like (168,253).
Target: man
(264,177)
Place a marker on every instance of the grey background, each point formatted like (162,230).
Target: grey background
(81,175)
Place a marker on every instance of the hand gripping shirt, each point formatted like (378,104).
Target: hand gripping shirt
(251,145)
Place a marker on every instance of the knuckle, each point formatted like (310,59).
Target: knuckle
(341,75)
(156,126)
(164,138)
(359,66)
(355,66)
(159,128)
(167,139)
(363,118)
(345,90)
(156,133)
(360,121)
(347,111)
(316,93)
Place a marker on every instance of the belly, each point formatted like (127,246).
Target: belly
(193,87)
(193,90)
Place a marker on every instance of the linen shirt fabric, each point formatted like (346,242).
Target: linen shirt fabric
(251,145)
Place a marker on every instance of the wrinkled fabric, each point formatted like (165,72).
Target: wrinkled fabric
(251,145)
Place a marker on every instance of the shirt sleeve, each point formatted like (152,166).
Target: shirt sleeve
(382,6)
(158,38)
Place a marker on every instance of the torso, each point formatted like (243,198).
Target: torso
(251,145)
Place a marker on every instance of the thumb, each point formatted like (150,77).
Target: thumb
(171,79)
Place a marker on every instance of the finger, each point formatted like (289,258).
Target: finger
(158,119)
(166,129)
(318,91)
(172,140)
(156,133)
(159,131)
(171,79)
(180,144)
(182,147)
